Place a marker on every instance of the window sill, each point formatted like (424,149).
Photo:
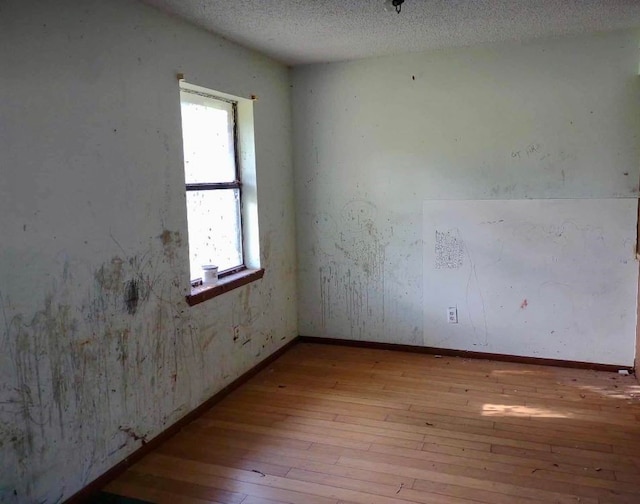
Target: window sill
(202,293)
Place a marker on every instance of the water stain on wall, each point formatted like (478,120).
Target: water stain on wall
(109,276)
(352,275)
(171,241)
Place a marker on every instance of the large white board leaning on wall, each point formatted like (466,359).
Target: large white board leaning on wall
(554,279)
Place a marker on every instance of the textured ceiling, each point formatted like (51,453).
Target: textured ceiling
(310,31)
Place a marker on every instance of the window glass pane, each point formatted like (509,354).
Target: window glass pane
(215,232)
(207,134)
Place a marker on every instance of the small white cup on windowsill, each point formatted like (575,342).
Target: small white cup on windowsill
(209,274)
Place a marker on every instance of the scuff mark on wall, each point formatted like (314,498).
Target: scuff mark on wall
(109,276)
(131,296)
(133,435)
(246,315)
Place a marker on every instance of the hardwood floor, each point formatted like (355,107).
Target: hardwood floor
(339,425)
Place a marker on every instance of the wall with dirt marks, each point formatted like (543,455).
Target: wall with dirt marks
(375,139)
(99,350)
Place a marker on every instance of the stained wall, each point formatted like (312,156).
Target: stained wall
(99,350)
(375,139)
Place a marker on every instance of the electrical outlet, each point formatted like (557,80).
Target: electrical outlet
(452,315)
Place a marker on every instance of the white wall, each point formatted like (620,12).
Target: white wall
(375,138)
(526,277)
(91,199)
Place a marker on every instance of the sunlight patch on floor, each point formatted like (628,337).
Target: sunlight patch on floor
(509,410)
(517,372)
(621,391)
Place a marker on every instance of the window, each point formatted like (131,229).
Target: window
(221,214)
(212,182)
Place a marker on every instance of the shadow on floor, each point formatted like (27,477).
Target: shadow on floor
(109,498)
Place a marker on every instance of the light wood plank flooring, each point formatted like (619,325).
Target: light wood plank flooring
(337,425)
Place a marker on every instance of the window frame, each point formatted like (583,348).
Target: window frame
(245,169)
(214,186)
